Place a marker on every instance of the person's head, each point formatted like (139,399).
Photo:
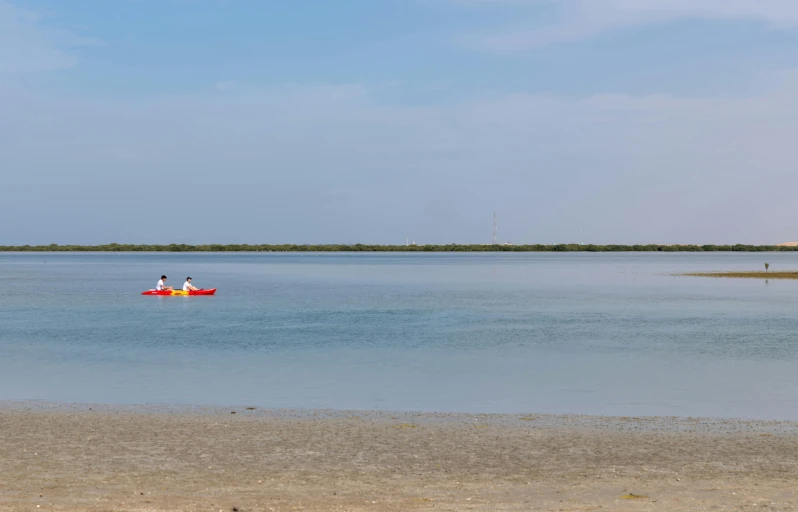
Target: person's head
(188,279)
(163,277)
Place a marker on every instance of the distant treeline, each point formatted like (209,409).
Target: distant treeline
(394,248)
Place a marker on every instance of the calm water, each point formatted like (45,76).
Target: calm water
(571,333)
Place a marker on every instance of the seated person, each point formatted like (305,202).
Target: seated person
(187,287)
(161,286)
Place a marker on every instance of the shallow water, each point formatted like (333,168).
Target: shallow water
(604,333)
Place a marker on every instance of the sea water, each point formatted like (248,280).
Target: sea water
(606,333)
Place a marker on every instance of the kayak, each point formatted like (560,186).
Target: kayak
(179,292)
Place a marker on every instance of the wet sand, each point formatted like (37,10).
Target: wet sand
(100,458)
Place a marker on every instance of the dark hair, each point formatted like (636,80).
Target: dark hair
(188,279)
(163,277)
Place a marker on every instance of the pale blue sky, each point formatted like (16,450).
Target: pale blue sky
(313,121)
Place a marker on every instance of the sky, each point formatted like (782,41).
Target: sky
(379,121)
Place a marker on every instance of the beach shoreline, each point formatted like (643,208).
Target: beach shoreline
(100,457)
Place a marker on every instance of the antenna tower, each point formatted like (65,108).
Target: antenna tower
(495,231)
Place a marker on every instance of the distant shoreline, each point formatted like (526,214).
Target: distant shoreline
(741,274)
(396,248)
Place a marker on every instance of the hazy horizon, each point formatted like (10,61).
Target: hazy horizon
(223,121)
(407,244)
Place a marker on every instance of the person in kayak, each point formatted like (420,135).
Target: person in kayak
(161,286)
(187,286)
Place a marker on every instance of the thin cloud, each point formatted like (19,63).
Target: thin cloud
(28,44)
(225,85)
(583,19)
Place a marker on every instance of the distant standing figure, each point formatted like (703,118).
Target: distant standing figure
(187,287)
(161,286)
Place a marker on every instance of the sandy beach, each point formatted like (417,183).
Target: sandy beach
(84,457)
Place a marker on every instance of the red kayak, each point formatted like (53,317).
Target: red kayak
(179,292)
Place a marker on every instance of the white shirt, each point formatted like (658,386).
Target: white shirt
(159,286)
(186,286)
